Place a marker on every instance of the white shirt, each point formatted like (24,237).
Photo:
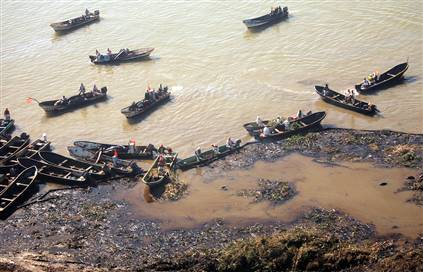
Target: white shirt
(267,131)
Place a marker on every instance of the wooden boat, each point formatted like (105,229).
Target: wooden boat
(268,19)
(76,22)
(122,56)
(254,129)
(207,157)
(300,126)
(338,99)
(6,126)
(13,146)
(119,167)
(29,151)
(146,105)
(132,151)
(16,190)
(51,173)
(73,102)
(95,170)
(390,77)
(155,176)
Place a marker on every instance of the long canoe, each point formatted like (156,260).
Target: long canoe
(267,19)
(122,56)
(154,176)
(52,173)
(254,129)
(388,78)
(143,106)
(76,22)
(95,170)
(207,157)
(29,151)
(124,151)
(12,147)
(73,102)
(338,99)
(6,126)
(119,167)
(17,189)
(300,126)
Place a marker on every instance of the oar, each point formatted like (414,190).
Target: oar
(29,100)
(99,156)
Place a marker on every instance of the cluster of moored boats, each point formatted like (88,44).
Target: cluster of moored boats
(24,163)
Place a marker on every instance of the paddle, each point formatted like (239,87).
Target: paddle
(30,99)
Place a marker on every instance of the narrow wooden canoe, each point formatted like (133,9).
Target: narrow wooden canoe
(389,78)
(154,177)
(6,126)
(267,19)
(338,99)
(207,157)
(254,129)
(143,106)
(51,173)
(12,147)
(121,167)
(139,152)
(73,102)
(76,22)
(17,189)
(300,126)
(29,151)
(95,170)
(122,56)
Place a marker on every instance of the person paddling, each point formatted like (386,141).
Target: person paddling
(6,114)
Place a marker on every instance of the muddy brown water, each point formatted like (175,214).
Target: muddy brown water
(224,75)
(353,188)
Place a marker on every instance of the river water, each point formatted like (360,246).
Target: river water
(222,74)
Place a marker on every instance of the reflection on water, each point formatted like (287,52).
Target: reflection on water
(351,187)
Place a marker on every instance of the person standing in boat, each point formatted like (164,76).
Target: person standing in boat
(82,89)
(162,149)
(109,52)
(161,164)
(198,153)
(215,149)
(6,114)
(259,121)
(87,12)
(115,158)
(95,90)
(300,114)
(230,143)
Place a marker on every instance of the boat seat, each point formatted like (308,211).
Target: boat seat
(88,169)
(63,162)
(302,123)
(4,186)
(67,175)
(6,199)
(391,75)
(21,184)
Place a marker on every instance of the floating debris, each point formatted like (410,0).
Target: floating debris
(276,191)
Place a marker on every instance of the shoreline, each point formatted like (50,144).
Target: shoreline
(89,229)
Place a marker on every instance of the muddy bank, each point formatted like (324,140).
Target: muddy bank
(382,147)
(91,230)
